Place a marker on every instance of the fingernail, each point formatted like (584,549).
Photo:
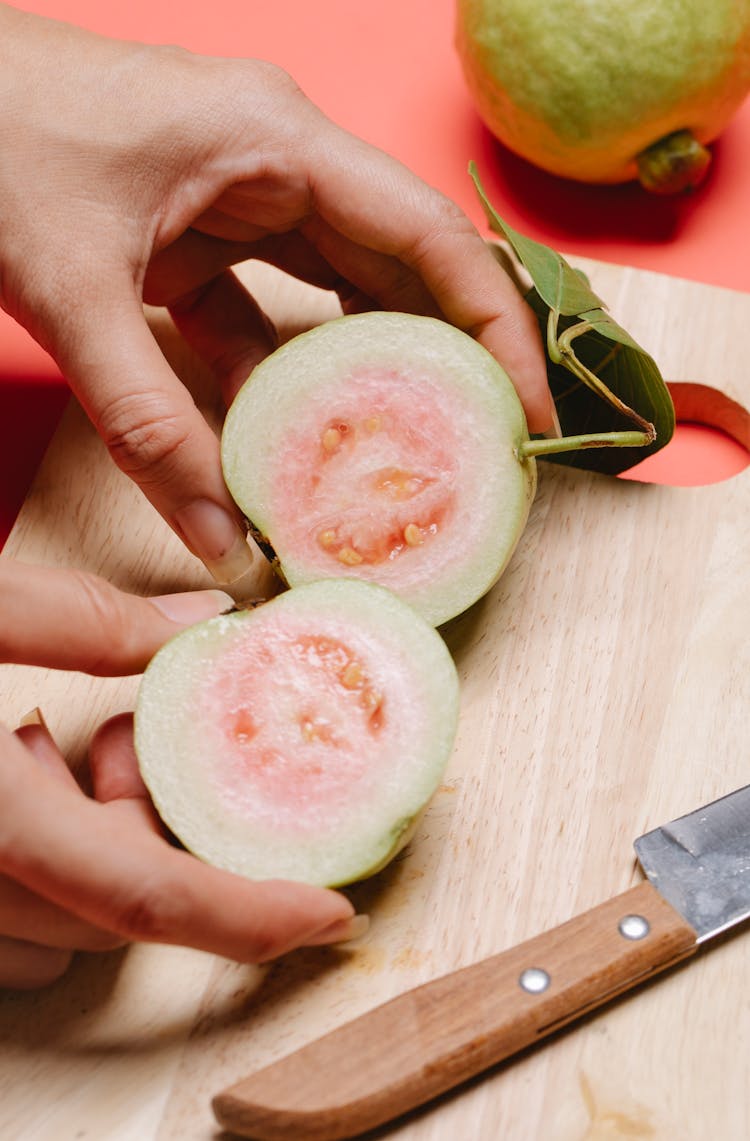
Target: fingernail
(216,538)
(33,717)
(342,931)
(554,432)
(193,606)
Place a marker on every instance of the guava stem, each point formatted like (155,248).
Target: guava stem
(675,163)
(592,381)
(553,350)
(548,447)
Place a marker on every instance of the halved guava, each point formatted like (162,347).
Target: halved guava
(302,739)
(383,446)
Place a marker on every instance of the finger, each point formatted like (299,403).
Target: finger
(78,621)
(38,740)
(227,329)
(23,914)
(27,966)
(378,276)
(188,262)
(26,916)
(404,219)
(509,329)
(147,418)
(196,258)
(115,777)
(214,311)
(113,872)
(113,762)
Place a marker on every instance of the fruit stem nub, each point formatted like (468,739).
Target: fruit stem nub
(675,163)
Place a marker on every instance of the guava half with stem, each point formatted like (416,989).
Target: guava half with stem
(384,447)
(301,739)
(393,448)
(606,92)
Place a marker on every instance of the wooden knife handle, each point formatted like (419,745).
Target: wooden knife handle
(433,1037)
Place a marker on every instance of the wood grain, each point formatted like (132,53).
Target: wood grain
(604,690)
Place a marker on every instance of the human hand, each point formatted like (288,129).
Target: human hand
(83,873)
(138,172)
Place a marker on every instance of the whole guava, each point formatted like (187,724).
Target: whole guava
(606,91)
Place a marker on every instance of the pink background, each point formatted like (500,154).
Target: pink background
(388,72)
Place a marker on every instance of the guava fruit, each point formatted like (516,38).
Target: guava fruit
(300,739)
(383,447)
(609,91)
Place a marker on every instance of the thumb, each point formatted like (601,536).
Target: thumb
(72,620)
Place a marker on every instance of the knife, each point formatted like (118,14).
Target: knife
(431,1038)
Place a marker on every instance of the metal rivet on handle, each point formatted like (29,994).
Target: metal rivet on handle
(534,980)
(634,927)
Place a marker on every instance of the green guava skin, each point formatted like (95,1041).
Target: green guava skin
(582,87)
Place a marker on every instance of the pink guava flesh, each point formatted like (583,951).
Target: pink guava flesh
(373,479)
(301,739)
(303,718)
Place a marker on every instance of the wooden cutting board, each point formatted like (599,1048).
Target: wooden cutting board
(605,690)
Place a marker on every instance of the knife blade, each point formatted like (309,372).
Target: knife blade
(435,1036)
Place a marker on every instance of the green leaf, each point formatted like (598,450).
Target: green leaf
(611,354)
(602,381)
(562,287)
